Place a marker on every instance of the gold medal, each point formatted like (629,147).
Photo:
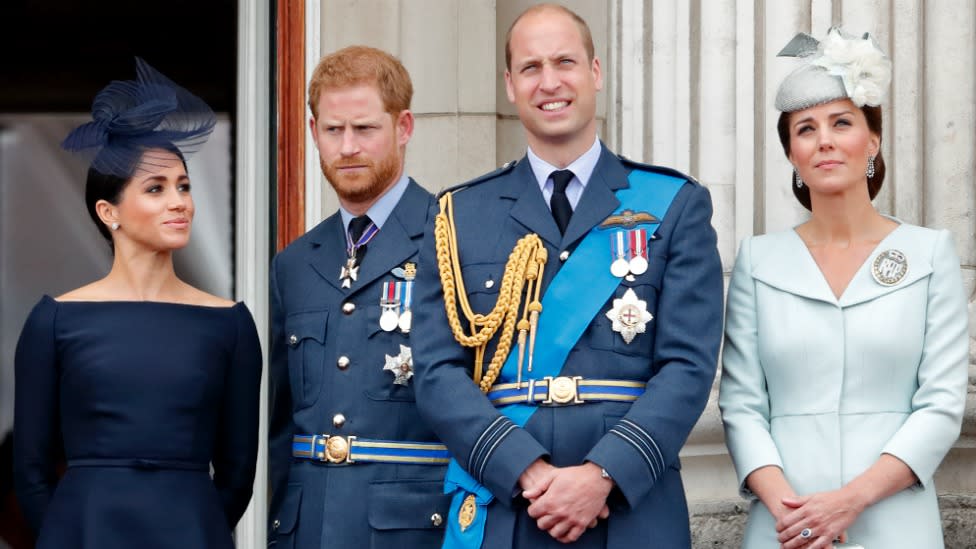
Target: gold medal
(467,512)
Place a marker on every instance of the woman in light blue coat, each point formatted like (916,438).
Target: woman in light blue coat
(845,361)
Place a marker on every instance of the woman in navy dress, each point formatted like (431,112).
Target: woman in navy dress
(147,385)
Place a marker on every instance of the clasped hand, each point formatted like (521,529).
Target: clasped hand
(565,501)
(827,515)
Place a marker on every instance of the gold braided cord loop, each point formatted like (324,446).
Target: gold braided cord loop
(523,272)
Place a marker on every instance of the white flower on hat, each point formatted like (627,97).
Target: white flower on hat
(863,67)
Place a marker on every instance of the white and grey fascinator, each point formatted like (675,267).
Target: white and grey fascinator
(840,66)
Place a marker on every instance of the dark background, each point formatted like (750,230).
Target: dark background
(56,54)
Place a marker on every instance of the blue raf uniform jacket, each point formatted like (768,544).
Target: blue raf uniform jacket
(327,358)
(637,443)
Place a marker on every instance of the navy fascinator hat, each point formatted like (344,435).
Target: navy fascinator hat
(129,117)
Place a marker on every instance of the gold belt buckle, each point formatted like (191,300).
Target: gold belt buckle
(563,390)
(337,449)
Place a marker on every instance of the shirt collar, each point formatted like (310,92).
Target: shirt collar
(380,211)
(582,167)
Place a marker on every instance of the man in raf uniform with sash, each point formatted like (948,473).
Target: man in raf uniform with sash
(566,344)
(352,463)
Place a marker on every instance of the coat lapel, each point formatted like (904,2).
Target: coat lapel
(394,243)
(864,287)
(787,265)
(327,249)
(530,207)
(391,246)
(598,200)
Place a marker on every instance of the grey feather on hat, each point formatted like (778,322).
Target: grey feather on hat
(839,67)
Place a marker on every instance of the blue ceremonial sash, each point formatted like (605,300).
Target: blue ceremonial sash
(566,313)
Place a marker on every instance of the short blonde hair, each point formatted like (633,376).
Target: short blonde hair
(358,65)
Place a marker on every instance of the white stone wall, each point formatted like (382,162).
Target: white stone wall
(690,84)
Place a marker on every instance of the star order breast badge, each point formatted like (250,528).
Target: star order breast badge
(401,365)
(629,316)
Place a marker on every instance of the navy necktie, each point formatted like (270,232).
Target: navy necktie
(559,202)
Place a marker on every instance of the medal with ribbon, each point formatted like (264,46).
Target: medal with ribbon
(628,250)
(638,251)
(350,271)
(397,298)
(390,306)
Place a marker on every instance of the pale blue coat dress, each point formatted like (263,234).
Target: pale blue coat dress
(821,386)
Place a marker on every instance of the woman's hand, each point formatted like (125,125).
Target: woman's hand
(824,517)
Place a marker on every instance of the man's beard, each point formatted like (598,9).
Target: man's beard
(366,186)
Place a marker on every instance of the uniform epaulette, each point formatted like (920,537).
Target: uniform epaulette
(507,167)
(663,170)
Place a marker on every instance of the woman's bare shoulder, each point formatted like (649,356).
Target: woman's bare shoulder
(196,296)
(95,291)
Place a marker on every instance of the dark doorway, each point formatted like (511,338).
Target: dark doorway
(56,54)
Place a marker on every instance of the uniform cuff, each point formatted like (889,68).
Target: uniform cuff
(632,458)
(503,452)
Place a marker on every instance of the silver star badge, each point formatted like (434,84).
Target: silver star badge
(629,315)
(349,272)
(401,366)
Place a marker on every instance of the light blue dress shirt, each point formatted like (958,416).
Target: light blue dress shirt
(582,169)
(381,210)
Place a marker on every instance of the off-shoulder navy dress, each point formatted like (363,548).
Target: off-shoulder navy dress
(144,398)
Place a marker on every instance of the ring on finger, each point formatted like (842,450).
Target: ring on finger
(806,533)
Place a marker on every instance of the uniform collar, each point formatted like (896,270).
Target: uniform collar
(382,208)
(582,167)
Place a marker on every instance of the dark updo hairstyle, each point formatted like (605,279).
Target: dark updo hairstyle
(108,187)
(873,116)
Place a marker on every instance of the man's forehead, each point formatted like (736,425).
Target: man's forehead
(351,102)
(358,93)
(546,33)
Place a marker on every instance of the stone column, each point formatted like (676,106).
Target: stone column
(448,46)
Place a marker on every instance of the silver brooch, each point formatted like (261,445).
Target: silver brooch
(889,268)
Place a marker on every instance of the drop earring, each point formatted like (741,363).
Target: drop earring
(870,171)
(796,176)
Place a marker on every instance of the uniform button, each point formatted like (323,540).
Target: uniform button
(276,524)
(348,307)
(489,283)
(338,420)
(343,362)
(564,255)
(293,339)
(436,519)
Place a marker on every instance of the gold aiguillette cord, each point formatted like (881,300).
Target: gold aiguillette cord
(523,272)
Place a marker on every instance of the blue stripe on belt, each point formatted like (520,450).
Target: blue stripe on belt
(565,391)
(352,449)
